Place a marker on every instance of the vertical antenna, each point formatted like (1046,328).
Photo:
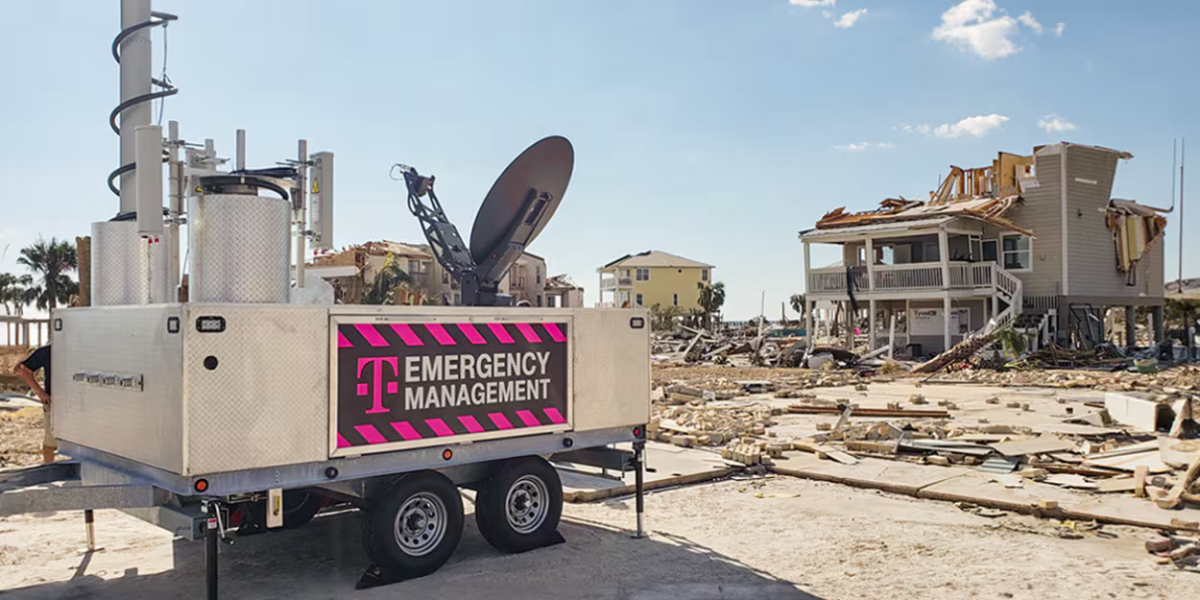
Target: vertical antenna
(1182,152)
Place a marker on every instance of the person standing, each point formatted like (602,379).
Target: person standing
(27,370)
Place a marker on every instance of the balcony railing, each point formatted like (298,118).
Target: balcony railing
(902,278)
(612,283)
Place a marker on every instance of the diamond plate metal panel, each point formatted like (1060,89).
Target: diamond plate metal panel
(265,402)
(127,269)
(240,249)
(143,425)
(612,369)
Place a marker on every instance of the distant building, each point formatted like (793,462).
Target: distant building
(526,281)
(561,292)
(653,277)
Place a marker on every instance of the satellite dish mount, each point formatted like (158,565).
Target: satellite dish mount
(514,212)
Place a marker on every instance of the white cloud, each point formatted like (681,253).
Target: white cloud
(827,14)
(971,126)
(1055,124)
(847,20)
(970,25)
(813,3)
(1059,29)
(1030,22)
(864,146)
(921,129)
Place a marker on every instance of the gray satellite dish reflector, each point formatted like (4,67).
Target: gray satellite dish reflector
(523,199)
(514,212)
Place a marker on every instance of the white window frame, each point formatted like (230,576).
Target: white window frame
(643,274)
(1001,252)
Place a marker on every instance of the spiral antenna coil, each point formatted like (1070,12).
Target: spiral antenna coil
(167,89)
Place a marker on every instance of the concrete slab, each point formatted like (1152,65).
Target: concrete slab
(979,488)
(1133,511)
(892,476)
(672,465)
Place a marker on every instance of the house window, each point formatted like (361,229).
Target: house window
(1017,254)
(457,298)
(537,274)
(643,274)
(703,274)
(539,300)
(675,299)
(988,250)
(639,299)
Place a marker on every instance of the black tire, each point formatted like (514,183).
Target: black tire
(533,491)
(426,505)
(299,507)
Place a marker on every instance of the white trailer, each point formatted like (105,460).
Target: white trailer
(254,402)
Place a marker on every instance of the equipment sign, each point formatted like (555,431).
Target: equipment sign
(408,382)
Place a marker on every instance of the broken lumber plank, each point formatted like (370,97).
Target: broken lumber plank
(1140,473)
(817,409)
(1173,497)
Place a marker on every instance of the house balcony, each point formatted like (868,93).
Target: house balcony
(612,283)
(911,280)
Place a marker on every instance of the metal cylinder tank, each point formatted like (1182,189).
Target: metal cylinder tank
(128,269)
(239,245)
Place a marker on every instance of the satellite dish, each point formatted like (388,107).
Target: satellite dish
(514,212)
(539,175)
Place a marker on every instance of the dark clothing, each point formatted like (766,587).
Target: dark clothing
(40,359)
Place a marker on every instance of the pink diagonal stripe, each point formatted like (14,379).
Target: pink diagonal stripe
(407,335)
(371,334)
(439,334)
(405,430)
(343,342)
(342,443)
(439,427)
(526,330)
(472,334)
(528,418)
(555,333)
(371,434)
(500,420)
(501,333)
(554,416)
(470,423)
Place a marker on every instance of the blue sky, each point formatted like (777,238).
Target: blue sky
(710,129)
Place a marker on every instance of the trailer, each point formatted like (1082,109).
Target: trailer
(242,399)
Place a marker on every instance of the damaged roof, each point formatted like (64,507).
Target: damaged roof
(990,210)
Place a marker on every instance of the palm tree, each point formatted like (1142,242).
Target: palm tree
(51,262)
(388,280)
(712,297)
(797,303)
(15,292)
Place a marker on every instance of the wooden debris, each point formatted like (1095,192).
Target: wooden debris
(1163,545)
(917,399)
(1140,473)
(1047,504)
(818,409)
(1172,499)
(1181,524)
(1039,445)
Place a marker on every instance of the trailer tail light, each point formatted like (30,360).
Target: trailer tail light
(447,454)
(638,433)
(201,485)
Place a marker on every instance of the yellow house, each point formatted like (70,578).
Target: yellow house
(652,277)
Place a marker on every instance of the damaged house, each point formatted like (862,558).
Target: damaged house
(1036,242)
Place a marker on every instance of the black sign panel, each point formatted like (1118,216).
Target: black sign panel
(412,382)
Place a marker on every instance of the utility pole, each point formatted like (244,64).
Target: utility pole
(762,312)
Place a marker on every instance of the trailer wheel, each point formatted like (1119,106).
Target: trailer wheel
(414,525)
(518,508)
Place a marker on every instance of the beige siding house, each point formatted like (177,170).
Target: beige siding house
(1034,241)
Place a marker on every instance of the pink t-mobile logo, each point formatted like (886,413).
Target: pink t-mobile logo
(375,387)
